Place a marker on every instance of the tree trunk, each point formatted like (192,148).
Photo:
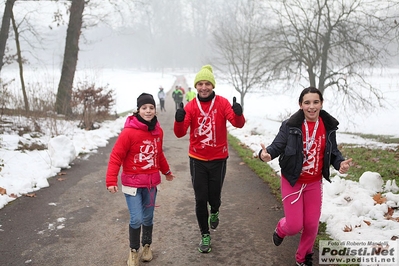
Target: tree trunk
(20,63)
(5,28)
(63,101)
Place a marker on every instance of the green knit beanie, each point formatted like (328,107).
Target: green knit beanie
(206,73)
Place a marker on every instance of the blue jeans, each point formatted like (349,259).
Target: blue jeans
(141,207)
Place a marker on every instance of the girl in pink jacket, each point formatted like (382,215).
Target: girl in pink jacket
(138,150)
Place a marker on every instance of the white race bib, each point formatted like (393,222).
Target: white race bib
(129,190)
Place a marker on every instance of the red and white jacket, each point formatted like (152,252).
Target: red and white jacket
(140,154)
(208,131)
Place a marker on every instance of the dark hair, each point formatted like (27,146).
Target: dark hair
(310,90)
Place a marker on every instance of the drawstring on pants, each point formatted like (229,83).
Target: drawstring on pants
(152,198)
(299,192)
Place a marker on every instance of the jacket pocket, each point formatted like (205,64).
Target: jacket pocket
(289,151)
(287,159)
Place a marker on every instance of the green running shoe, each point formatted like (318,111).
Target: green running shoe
(214,220)
(205,244)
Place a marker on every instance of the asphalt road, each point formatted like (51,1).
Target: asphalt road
(77,222)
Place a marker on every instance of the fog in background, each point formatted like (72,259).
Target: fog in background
(150,35)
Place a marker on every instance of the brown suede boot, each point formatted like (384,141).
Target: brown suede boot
(147,253)
(134,258)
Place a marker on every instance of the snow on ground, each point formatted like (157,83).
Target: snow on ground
(345,203)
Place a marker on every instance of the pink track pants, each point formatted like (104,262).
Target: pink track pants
(302,209)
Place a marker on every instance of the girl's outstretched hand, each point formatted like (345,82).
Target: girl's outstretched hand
(344,166)
(266,157)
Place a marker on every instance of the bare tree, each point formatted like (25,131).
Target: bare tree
(5,28)
(241,54)
(74,32)
(332,44)
(63,101)
(20,62)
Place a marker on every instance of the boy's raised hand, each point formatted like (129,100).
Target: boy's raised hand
(237,108)
(180,113)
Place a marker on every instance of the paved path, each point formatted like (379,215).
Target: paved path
(77,222)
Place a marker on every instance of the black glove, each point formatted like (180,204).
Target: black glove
(236,107)
(180,113)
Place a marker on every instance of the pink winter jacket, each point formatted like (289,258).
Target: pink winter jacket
(140,154)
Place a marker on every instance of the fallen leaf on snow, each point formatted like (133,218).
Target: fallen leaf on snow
(348,228)
(390,211)
(379,199)
(367,222)
(389,217)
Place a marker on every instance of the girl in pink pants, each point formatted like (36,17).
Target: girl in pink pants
(302,212)
(306,146)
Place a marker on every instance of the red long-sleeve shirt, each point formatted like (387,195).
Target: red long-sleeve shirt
(208,131)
